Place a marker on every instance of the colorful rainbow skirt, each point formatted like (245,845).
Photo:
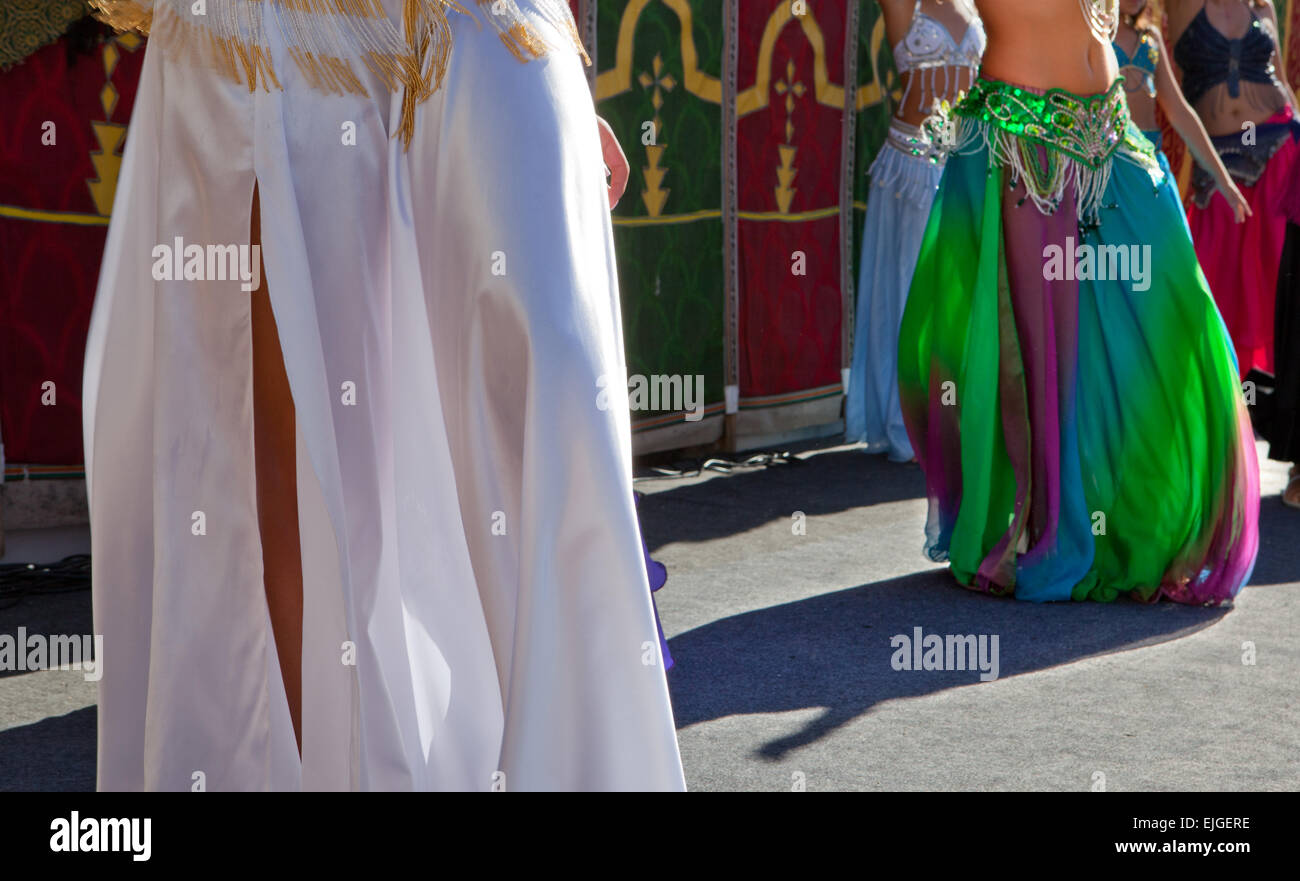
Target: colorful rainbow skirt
(1066,380)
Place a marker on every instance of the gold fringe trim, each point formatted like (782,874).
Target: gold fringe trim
(123,15)
(326,73)
(522,41)
(572,28)
(328,39)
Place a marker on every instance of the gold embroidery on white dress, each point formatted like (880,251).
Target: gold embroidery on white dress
(328,39)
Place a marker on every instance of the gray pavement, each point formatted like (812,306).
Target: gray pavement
(783,653)
(782,644)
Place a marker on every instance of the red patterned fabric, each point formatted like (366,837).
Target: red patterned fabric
(51,265)
(789,325)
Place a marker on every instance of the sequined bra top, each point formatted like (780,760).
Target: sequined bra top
(928,48)
(1144,61)
(929,44)
(1208,58)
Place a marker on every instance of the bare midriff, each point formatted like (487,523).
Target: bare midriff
(1223,114)
(1045,44)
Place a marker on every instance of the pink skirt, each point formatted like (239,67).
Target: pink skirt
(1241,260)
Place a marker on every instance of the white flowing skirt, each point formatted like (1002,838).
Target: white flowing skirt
(903,187)
(476,609)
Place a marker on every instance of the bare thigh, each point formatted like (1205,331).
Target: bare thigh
(277,492)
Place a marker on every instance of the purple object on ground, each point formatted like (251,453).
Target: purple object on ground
(658,574)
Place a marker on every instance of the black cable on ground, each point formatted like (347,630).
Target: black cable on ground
(720,464)
(20,580)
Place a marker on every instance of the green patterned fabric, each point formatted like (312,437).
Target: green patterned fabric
(668,228)
(29,25)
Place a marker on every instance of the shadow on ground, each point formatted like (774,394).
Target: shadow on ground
(56,754)
(47,614)
(829,653)
(832,652)
(823,484)
(1279,544)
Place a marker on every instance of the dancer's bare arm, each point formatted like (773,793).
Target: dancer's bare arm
(615,161)
(1181,13)
(1279,67)
(1189,127)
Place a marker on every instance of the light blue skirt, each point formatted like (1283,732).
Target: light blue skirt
(904,179)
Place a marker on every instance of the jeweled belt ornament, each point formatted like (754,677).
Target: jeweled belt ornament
(1050,139)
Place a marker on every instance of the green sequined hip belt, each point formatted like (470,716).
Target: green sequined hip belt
(1051,139)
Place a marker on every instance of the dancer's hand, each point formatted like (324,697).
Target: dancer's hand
(1236,201)
(615,161)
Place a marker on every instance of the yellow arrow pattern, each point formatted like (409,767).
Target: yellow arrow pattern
(108,158)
